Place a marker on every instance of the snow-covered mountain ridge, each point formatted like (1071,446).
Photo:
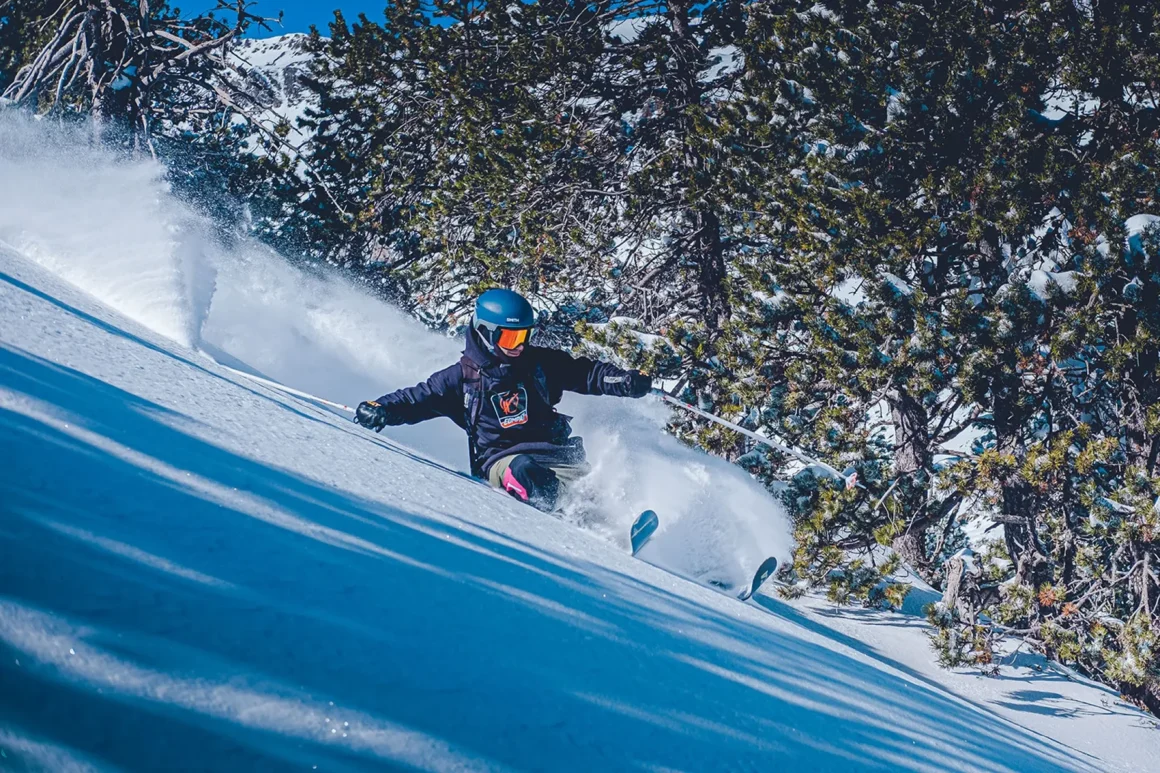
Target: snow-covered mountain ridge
(275,68)
(283,61)
(198,572)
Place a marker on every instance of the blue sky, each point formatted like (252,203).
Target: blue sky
(298,15)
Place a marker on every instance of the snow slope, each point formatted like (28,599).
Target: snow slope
(200,573)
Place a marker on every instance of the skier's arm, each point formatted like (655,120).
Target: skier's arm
(439,395)
(589,377)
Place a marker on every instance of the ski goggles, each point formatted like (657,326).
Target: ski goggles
(505,337)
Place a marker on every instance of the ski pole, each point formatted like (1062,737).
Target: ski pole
(848,480)
(289,390)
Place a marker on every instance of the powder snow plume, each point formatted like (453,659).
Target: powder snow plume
(112,227)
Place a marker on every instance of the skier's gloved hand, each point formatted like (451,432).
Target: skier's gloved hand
(373,415)
(639,384)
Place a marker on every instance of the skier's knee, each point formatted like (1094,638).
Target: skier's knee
(531,482)
(512,485)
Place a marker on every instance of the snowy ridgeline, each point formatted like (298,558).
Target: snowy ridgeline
(200,573)
(276,67)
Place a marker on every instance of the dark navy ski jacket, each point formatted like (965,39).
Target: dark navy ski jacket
(513,404)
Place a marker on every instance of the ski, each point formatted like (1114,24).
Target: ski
(646,524)
(642,528)
(764,572)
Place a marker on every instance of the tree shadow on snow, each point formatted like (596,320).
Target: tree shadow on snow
(173,604)
(1056,705)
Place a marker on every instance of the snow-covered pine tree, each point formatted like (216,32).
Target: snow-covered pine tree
(895,113)
(1073,467)
(572,150)
(366,136)
(688,186)
(455,151)
(998,164)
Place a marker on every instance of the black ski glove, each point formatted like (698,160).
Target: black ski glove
(373,415)
(639,384)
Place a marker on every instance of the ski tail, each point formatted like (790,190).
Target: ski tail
(763,573)
(642,529)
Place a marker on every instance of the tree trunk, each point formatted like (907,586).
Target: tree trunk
(706,245)
(950,600)
(711,277)
(1019,528)
(911,548)
(912,450)
(912,457)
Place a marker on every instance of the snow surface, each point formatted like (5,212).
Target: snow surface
(199,572)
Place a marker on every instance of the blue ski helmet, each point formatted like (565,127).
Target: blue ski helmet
(503,314)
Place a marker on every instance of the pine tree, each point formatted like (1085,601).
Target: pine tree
(1081,479)
(689,188)
(894,113)
(454,155)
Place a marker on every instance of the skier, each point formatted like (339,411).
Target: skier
(503,392)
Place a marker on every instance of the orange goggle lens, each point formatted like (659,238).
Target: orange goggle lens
(510,339)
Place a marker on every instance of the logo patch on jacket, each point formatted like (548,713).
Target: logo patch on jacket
(511,406)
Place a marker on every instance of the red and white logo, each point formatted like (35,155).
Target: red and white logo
(511,407)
